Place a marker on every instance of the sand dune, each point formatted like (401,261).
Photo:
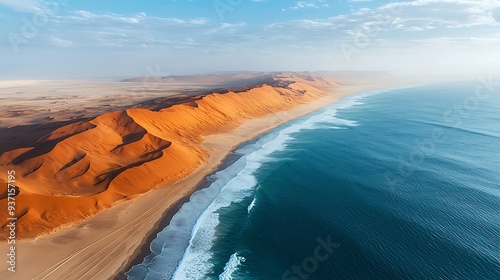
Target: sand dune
(83,167)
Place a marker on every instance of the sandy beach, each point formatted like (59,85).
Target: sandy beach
(111,241)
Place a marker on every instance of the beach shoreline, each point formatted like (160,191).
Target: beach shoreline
(144,249)
(230,158)
(102,246)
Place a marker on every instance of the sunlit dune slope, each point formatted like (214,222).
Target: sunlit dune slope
(87,166)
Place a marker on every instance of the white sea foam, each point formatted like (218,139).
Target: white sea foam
(183,249)
(251,205)
(168,247)
(195,264)
(231,266)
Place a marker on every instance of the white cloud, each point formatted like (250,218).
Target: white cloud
(111,30)
(308,4)
(58,42)
(419,15)
(402,34)
(27,6)
(82,16)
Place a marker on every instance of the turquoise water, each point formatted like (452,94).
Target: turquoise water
(395,184)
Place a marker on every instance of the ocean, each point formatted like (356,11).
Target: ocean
(402,183)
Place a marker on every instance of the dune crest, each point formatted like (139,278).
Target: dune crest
(84,167)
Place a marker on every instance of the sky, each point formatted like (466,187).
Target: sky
(125,38)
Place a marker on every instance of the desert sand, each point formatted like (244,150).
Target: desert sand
(92,190)
(88,165)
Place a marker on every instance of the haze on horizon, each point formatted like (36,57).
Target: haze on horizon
(76,39)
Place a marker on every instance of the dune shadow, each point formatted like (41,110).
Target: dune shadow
(23,136)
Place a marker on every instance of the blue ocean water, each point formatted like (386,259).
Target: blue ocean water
(395,184)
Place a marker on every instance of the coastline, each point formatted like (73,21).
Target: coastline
(144,249)
(101,245)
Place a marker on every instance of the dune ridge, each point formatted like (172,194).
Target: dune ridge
(81,168)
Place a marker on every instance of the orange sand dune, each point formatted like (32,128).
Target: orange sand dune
(84,167)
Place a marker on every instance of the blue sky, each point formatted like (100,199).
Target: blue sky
(76,38)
